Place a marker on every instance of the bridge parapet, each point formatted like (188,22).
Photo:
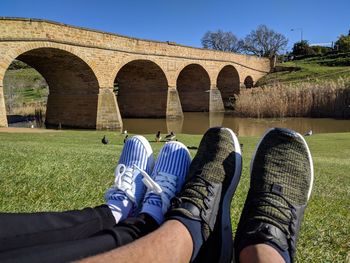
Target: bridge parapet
(83,66)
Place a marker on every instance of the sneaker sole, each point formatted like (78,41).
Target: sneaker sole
(307,150)
(226,228)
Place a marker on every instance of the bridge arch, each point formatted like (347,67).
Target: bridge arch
(193,86)
(141,87)
(228,84)
(73,86)
(248,82)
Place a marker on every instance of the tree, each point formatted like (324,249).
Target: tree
(302,48)
(343,43)
(220,40)
(264,42)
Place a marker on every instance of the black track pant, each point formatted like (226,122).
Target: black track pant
(66,236)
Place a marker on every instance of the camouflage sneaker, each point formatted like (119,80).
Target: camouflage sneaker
(281,182)
(203,205)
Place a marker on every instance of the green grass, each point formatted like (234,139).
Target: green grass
(26,84)
(72,170)
(314,68)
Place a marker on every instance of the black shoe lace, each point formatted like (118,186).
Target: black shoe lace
(287,210)
(198,188)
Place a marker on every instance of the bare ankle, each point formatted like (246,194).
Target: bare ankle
(260,253)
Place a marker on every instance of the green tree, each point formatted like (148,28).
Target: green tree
(343,43)
(302,48)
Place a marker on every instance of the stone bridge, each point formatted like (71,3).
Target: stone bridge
(97,78)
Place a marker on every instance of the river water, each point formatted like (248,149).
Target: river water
(198,123)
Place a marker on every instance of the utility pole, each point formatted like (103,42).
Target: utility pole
(301,32)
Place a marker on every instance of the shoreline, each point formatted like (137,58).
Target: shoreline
(25,130)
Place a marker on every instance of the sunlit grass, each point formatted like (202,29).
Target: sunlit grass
(72,169)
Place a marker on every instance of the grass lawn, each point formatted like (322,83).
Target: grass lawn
(72,169)
(327,67)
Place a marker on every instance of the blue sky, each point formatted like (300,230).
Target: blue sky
(185,21)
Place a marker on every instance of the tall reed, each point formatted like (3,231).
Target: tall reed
(304,99)
(31,109)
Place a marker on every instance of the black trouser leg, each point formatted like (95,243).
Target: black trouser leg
(18,230)
(121,234)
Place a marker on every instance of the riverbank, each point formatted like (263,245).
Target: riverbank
(319,67)
(72,169)
(199,122)
(25,130)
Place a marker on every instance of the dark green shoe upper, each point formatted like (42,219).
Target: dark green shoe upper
(281,182)
(206,196)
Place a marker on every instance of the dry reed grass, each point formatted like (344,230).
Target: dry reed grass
(304,99)
(29,109)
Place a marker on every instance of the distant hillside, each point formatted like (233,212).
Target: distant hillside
(24,85)
(25,89)
(317,67)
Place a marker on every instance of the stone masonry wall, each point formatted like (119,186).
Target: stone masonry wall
(104,54)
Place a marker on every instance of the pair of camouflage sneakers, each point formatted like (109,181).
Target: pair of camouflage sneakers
(281,180)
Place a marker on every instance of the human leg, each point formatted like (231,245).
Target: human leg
(171,243)
(31,229)
(203,206)
(197,226)
(169,174)
(69,250)
(260,253)
(281,183)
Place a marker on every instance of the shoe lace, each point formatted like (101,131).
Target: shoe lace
(163,184)
(124,180)
(279,203)
(198,189)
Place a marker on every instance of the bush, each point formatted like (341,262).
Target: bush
(302,48)
(16,64)
(343,43)
(320,50)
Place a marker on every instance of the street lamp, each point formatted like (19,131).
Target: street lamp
(301,32)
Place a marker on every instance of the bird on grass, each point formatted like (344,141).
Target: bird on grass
(104,140)
(158,137)
(309,133)
(170,137)
(126,137)
(192,147)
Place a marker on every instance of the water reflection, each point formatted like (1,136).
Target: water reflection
(198,123)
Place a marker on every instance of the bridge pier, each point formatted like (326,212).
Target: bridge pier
(215,100)
(173,109)
(108,114)
(3,119)
(81,66)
